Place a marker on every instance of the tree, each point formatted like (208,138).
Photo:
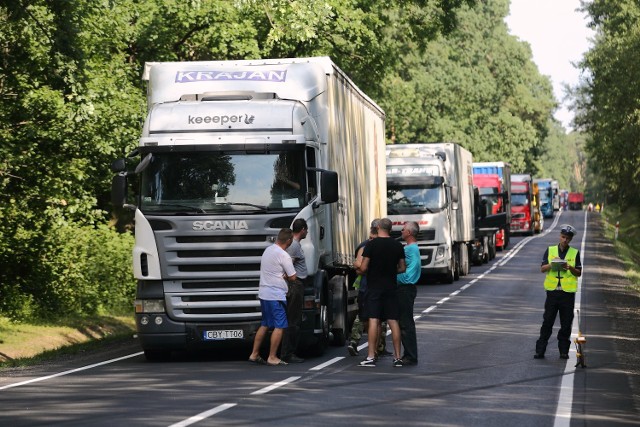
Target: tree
(477,86)
(607,101)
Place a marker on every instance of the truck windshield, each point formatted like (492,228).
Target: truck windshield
(490,194)
(204,182)
(413,199)
(519,199)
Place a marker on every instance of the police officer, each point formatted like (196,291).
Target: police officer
(561,264)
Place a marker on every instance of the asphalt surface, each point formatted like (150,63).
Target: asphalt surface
(476,342)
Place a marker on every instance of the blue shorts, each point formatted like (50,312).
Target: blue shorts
(274,314)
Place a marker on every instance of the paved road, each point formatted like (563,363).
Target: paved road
(476,342)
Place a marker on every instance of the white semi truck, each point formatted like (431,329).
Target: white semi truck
(230,153)
(432,184)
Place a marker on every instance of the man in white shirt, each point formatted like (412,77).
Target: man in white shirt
(276,268)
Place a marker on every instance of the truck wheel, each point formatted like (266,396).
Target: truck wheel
(339,334)
(492,248)
(456,263)
(157,355)
(449,276)
(507,238)
(465,260)
(322,340)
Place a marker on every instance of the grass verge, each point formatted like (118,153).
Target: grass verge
(628,242)
(22,344)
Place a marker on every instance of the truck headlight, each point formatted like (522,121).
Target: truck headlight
(149,306)
(440,252)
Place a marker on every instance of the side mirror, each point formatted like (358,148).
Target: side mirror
(119,190)
(454,194)
(118,165)
(329,186)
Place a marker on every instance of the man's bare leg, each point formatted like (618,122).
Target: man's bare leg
(395,337)
(276,339)
(257,342)
(372,332)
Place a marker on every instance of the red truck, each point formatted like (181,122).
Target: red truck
(522,218)
(576,200)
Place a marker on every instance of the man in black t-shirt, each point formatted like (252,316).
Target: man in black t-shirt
(382,260)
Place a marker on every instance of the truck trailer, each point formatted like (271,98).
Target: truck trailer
(538,219)
(230,153)
(432,184)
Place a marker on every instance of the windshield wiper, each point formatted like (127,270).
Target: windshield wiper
(264,208)
(177,205)
(425,208)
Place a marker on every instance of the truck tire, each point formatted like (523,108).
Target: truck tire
(326,316)
(449,276)
(318,348)
(492,248)
(507,238)
(340,319)
(465,260)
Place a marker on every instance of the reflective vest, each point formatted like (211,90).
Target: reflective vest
(568,281)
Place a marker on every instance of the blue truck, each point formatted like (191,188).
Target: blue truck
(545,186)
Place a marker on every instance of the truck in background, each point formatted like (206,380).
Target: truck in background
(564,199)
(493,180)
(230,153)
(522,210)
(546,196)
(576,201)
(538,219)
(555,194)
(432,184)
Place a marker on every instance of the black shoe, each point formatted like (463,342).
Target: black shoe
(409,362)
(353,349)
(538,356)
(398,363)
(293,359)
(564,356)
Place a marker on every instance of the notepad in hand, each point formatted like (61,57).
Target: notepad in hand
(558,264)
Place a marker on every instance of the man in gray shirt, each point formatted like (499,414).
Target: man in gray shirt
(295,295)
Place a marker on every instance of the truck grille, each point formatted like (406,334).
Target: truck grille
(212,277)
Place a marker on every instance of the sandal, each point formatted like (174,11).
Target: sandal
(258,361)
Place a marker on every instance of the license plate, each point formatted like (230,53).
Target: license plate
(225,334)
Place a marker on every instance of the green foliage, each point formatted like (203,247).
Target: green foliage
(67,106)
(608,100)
(564,159)
(628,242)
(477,86)
(74,271)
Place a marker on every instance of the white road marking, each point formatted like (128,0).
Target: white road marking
(276,385)
(565,400)
(203,415)
(329,362)
(59,374)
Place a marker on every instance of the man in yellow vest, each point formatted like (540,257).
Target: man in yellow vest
(562,266)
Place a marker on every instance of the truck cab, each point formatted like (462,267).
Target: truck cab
(522,211)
